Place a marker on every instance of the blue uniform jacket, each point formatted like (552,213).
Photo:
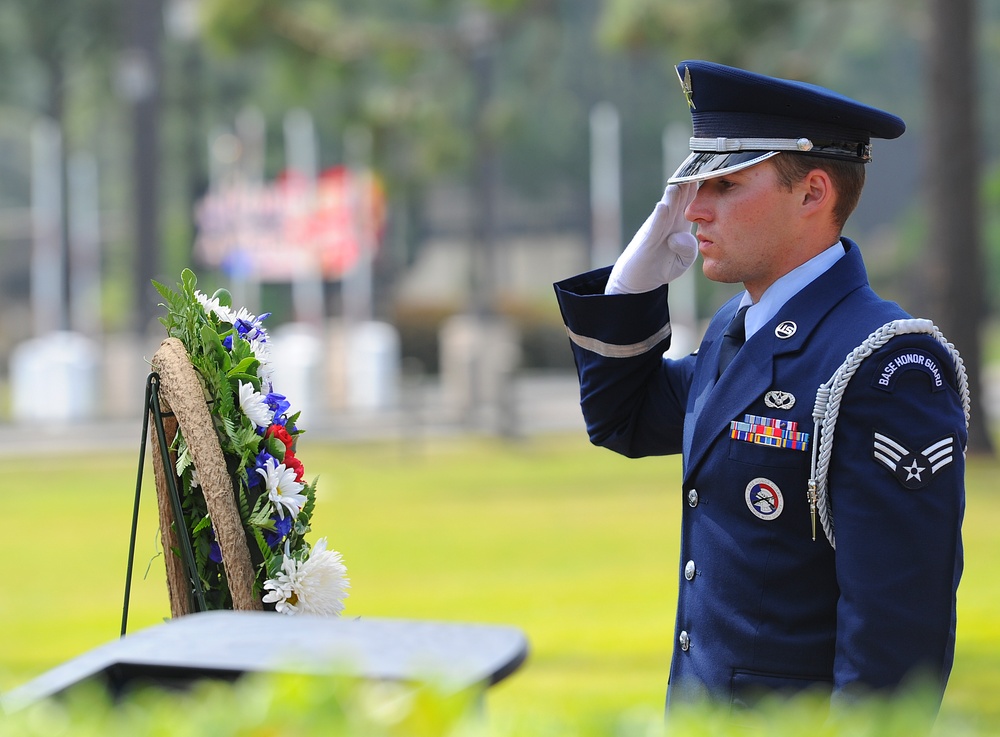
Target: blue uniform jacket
(762,606)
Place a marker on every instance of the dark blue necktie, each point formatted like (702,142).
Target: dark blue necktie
(733,339)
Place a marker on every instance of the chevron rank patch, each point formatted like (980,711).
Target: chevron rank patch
(913,468)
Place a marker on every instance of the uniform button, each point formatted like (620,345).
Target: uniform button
(693,498)
(689,570)
(685,641)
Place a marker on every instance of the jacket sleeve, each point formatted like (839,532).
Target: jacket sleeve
(633,399)
(897,493)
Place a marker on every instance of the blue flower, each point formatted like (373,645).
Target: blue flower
(254,478)
(249,325)
(282,526)
(214,551)
(277,404)
(227,343)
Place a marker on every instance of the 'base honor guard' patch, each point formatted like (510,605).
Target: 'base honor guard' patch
(906,360)
(913,469)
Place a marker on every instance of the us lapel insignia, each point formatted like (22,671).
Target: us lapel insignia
(786,329)
(779,400)
(913,469)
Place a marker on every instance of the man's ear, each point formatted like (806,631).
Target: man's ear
(818,191)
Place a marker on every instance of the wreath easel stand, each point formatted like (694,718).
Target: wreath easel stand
(175,398)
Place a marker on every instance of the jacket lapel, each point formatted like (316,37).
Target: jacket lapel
(750,375)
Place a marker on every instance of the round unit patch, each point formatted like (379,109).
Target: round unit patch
(764,499)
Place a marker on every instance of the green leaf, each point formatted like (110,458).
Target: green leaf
(189,280)
(166,292)
(246,367)
(275,447)
(213,345)
(273,563)
(224,297)
(184,459)
(203,524)
(235,378)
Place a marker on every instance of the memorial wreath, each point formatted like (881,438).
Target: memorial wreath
(230,352)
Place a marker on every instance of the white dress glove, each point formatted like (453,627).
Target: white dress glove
(661,250)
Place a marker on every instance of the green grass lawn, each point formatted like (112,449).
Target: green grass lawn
(574,545)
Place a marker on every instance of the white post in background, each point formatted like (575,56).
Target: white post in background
(251,129)
(372,367)
(84,245)
(248,173)
(683,293)
(53,376)
(358,281)
(300,146)
(46,222)
(223,153)
(605,185)
(298,345)
(301,157)
(308,301)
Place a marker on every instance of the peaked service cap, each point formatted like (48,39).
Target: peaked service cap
(741,118)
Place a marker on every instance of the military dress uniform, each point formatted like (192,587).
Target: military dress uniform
(765,602)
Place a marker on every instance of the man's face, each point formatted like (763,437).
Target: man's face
(746,227)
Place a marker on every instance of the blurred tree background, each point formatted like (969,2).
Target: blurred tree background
(478,115)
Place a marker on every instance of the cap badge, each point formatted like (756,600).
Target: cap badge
(786,329)
(686,86)
(764,499)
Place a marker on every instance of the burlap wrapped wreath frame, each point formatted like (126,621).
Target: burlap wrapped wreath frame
(183,404)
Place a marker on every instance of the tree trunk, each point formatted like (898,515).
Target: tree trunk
(144,28)
(953,187)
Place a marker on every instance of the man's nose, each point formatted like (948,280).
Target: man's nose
(696,210)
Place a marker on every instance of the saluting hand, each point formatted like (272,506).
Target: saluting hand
(661,250)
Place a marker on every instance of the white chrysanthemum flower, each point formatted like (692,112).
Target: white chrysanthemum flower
(254,406)
(211,305)
(282,488)
(262,352)
(316,586)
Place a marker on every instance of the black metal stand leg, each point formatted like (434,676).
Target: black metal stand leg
(135,508)
(152,409)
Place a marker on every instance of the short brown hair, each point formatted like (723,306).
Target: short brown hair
(848,179)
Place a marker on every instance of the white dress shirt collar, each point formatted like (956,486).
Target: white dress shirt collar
(787,287)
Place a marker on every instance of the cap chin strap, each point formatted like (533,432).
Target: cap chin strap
(830,394)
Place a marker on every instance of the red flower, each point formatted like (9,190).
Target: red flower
(295,464)
(279,432)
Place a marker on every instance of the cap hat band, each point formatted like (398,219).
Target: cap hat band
(859,151)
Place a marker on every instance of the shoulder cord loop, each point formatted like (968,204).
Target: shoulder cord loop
(827,407)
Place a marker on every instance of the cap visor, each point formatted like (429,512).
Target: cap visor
(701,166)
